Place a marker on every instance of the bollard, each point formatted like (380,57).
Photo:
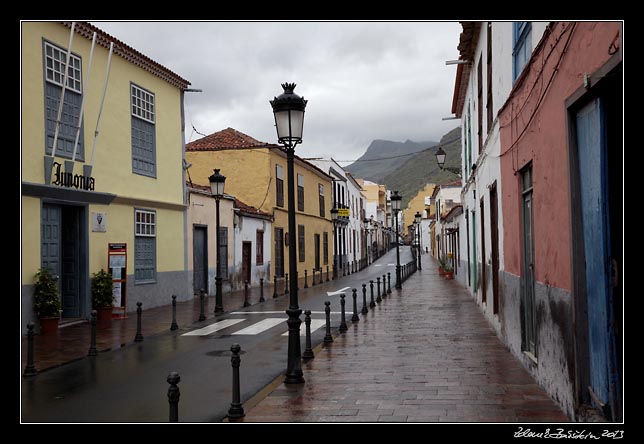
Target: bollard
(274,286)
(308,352)
(344,273)
(139,310)
(355,317)
(236,410)
(327,273)
(313,280)
(327,310)
(343,321)
(173,396)
(378,299)
(373,302)
(261,290)
(246,303)
(30,368)
(365,310)
(388,283)
(286,283)
(306,274)
(202,298)
(173,325)
(384,289)
(92,343)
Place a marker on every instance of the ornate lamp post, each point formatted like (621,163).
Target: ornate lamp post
(418,219)
(334,219)
(440,159)
(217,182)
(395,207)
(288,110)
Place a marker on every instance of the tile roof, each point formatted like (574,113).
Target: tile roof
(250,210)
(225,140)
(130,54)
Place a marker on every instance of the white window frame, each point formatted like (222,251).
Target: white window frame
(54,72)
(145,223)
(142,103)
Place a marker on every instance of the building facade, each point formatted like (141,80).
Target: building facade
(256,174)
(125,186)
(253,240)
(530,96)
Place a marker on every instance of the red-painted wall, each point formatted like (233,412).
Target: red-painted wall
(534,128)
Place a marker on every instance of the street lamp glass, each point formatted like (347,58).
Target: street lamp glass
(395,201)
(417,217)
(217,183)
(440,157)
(334,214)
(288,109)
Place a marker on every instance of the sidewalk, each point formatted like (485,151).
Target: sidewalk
(72,342)
(425,354)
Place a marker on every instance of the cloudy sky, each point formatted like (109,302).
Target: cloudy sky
(362,80)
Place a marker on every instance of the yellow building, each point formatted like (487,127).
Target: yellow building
(256,173)
(419,203)
(125,186)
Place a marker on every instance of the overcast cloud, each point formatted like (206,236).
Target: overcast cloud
(363,80)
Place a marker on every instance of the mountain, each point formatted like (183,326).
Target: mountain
(421,168)
(392,155)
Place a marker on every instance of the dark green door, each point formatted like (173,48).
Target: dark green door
(70,261)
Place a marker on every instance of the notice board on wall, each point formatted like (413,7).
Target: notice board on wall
(117,263)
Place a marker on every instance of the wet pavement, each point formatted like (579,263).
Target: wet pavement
(424,354)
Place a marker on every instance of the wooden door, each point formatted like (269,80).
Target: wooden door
(247,249)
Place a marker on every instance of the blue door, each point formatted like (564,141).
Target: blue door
(593,173)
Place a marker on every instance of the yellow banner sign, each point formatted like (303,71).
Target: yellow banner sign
(343,212)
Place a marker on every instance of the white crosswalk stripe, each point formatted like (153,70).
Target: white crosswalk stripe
(315,324)
(213,327)
(260,326)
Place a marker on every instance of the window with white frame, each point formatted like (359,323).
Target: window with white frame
(54,62)
(145,232)
(143,131)
(142,103)
(522,46)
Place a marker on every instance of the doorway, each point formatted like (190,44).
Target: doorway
(528,309)
(61,250)
(200,258)
(247,248)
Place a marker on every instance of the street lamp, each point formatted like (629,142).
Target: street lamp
(440,159)
(334,219)
(418,218)
(288,110)
(217,183)
(395,206)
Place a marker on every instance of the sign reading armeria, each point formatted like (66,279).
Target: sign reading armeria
(72,180)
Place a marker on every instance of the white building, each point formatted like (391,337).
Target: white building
(252,239)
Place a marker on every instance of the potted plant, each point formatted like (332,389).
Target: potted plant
(102,296)
(442,262)
(46,302)
(448,270)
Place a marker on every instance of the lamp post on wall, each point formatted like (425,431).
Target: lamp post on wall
(440,159)
(395,206)
(334,219)
(217,182)
(418,218)
(288,110)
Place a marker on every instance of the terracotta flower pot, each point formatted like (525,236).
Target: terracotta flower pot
(441,271)
(49,326)
(449,275)
(104,313)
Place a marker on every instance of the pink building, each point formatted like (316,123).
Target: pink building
(561,132)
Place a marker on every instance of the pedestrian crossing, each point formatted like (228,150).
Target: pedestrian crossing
(253,329)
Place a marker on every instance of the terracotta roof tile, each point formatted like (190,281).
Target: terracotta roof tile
(225,140)
(250,210)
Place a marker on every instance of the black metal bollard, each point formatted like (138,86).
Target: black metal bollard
(308,352)
(246,303)
(306,276)
(373,302)
(344,271)
(343,321)
(173,325)
(274,286)
(139,311)
(202,299)
(327,273)
(313,279)
(92,341)
(384,286)
(236,410)
(286,283)
(261,290)
(355,317)
(378,299)
(173,395)
(364,310)
(327,310)
(388,283)
(30,368)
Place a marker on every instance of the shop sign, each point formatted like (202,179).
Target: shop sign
(70,180)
